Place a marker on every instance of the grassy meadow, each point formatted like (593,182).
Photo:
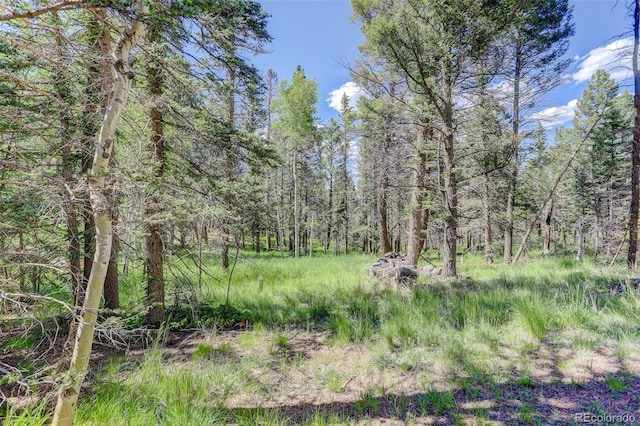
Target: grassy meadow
(312,342)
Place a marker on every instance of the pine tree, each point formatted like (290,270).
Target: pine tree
(535,46)
(295,109)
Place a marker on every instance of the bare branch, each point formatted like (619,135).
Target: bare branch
(63,5)
(17,297)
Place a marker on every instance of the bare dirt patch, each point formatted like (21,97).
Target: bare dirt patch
(303,374)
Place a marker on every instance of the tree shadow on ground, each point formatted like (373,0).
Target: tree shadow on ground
(611,399)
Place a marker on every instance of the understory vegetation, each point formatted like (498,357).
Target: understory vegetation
(310,341)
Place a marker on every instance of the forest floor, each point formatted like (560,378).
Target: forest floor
(561,348)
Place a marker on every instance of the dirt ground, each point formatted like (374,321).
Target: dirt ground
(587,387)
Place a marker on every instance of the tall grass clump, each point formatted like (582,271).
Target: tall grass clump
(575,308)
(162,393)
(115,404)
(363,313)
(37,415)
(535,315)
(260,416)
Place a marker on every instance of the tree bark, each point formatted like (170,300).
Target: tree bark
(154,209)
(330,210)
(486,213)
(632,262)
(383,224)
(345,193)
(508,226)
(70,207)
(449,267)
(111,291)
(229,162)
(70,389)
(418,210)
(515,146)
(296,218)
(383,208)
(546,248)
(97,92)
(580,251)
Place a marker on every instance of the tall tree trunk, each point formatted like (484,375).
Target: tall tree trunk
(546,248)
(154,208)
(345,193)
(632,262)
(229,163)
(111,293)
(610,225)
(508,226)
(70,389)
(449,268)
(486,213)
(515,147)
(225,232)
(330,210)
(596,233)
(296,218)
(383,225)
(97,93)
(311,237)
(580,251)
(99,84)
(68,163)
(267,240)
(418,209)
(89,246)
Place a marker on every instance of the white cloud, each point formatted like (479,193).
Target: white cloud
(353,91)
(615,58)
(553,116)
(503,90)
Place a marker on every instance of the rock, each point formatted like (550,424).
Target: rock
(430,271)
(400,271)
(393,268)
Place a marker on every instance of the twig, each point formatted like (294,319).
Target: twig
(14,298)
(233,267)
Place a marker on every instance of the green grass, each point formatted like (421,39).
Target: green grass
(37,415)
(20,342)
(481,332)
(436,402)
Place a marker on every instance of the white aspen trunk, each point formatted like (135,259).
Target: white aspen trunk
(311,237)
(580,252)
(70,389)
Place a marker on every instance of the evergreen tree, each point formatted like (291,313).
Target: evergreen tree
(534,46)
(295,109)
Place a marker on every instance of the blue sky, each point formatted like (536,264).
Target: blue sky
(318,34)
